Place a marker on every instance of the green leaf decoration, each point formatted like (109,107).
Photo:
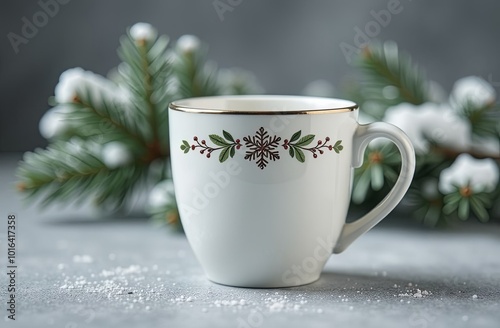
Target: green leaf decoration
(304,141)
(228,136)
(218,140)
(298,150)
(296,136)
(300,155)
(185,146)
(224,154)
(338,147)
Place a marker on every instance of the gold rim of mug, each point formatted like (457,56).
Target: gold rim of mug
(191,109)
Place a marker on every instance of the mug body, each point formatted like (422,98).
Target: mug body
(262,184)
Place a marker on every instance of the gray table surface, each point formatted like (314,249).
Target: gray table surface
(76,270)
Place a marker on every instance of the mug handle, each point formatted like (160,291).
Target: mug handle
(364,134)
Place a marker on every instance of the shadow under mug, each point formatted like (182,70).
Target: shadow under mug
(263,183)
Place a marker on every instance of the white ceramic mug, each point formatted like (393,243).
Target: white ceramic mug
(263,183)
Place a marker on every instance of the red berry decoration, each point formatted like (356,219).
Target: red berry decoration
(262,146)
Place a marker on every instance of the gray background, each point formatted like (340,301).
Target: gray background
(286,43)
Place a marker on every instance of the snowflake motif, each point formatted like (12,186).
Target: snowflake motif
(262,148)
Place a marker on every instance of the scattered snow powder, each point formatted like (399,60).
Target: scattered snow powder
(415,293)
(276,307)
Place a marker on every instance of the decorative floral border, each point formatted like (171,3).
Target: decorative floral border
(262,147)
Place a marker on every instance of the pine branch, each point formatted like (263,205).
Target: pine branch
(166,214)
(118,134)
(451,154)
(391,78)
(196,77)
(464,201)
(378,170)
(426,209)
(66,173)
(385,67)
(484,120)
(106,120)
(495,210)
(146,71)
